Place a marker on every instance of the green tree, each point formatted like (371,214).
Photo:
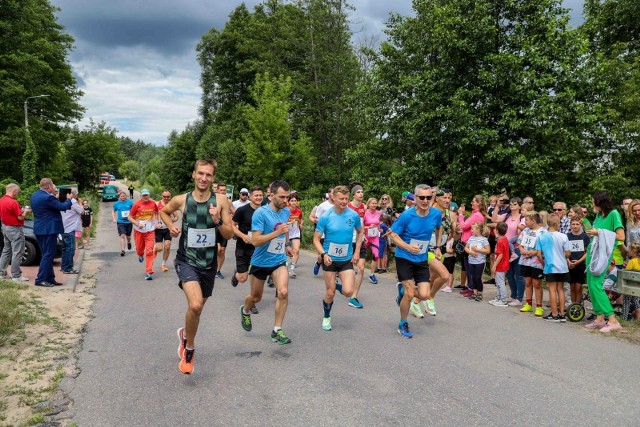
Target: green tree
(34,53)
(91,151)
(178,160)
(480,96)
(130,169)
(272,149)
(612,29)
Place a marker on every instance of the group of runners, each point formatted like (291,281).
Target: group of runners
(267,227)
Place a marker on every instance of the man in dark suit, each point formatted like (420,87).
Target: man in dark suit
(47,225)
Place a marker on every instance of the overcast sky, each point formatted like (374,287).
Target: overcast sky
(135,61)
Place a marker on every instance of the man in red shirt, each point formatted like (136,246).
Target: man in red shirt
(12,216)
(144,217)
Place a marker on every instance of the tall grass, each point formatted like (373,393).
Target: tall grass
(11,309)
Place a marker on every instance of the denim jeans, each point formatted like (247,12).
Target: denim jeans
(68,250)
(516,281)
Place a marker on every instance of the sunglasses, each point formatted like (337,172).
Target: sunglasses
(384,198)
(557,209)
(515,204)
(504,201)
(425,197)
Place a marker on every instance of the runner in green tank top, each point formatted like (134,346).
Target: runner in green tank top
(202,213)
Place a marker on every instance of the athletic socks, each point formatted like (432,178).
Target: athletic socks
(339,287)
(327,308)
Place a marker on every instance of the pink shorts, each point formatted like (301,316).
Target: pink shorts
(78,233)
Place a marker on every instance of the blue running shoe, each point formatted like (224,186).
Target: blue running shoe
(403,329)
(400,292)
(316,269)
(219,275)
(353,302)
(373,279)
(148,277)
(141,259)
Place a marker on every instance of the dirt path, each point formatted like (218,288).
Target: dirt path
(42,353)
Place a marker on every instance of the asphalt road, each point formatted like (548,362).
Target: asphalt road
(472,364)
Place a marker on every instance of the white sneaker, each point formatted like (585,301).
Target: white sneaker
(20,279)
(446,289)
(500,303)
(494,301)
(515,303)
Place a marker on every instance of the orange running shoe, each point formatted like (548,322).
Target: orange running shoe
(164,268)
(183,342)
(186,362)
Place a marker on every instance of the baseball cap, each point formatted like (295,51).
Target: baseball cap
(145,192)
(405,194)
(453,206)
(410,196)
(244,190)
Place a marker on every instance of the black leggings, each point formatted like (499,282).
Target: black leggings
(474,276)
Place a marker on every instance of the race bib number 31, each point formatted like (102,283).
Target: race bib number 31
(205,238)
(423,245)
(276,246)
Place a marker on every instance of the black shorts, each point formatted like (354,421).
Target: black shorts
(338,266)
(492,244)
(557,277)
(408,270)
(243,258)
(464,259)
(220,240)
(294,238)
(162,234)
(535,273)
(449,263)
(124,229)
(261,273)
(363,250)
(577,274)
(188,273)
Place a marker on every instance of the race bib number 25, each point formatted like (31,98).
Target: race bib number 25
(276,246)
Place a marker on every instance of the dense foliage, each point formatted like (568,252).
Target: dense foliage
(475,96)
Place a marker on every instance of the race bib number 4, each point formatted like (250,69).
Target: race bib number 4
(205,238)
(576,246)
(423,245)
(276,246)
(336,250)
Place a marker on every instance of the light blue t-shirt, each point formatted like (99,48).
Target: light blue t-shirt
(553,244)
(122,210)
(338,231)
(267,221)
(416,230)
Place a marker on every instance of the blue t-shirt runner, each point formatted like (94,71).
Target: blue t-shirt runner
(338,232)
(121,209)
(266,220)
(414,230)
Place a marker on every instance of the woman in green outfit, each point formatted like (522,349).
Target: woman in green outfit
(607,218)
